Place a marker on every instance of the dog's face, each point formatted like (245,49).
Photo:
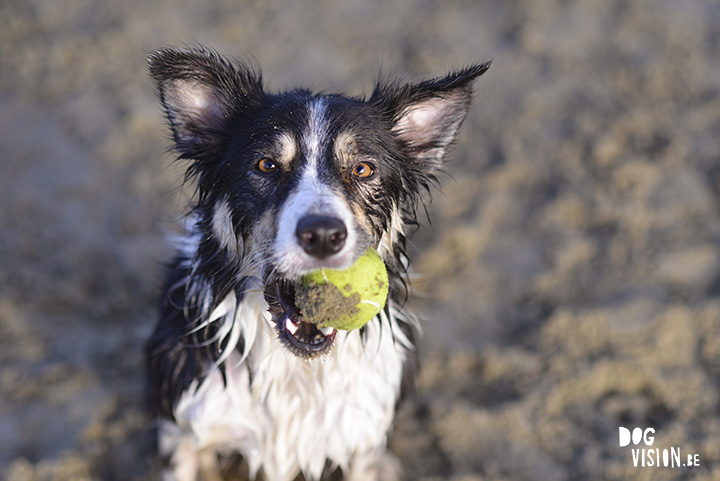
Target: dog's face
(292,182)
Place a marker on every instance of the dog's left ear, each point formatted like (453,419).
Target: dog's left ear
(427,115)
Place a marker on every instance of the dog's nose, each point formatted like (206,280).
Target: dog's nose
(321,236)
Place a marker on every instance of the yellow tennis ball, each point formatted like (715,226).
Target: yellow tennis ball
(345,299)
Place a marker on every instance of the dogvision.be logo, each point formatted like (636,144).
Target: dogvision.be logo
(646,456)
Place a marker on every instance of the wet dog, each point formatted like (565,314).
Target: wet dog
(288,183)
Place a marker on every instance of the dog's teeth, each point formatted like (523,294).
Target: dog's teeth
(291,326)
(327,330)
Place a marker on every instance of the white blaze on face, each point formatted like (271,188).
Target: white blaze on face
(312,196)
(315,133)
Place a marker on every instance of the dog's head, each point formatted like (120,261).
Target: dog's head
(295,181)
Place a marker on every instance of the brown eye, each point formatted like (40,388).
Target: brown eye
(363,170)
(267,166)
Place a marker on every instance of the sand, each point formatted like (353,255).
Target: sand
(569,281)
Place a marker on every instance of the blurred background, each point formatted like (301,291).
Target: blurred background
(570,277)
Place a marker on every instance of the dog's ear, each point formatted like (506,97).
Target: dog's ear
(199,91)
(426,116)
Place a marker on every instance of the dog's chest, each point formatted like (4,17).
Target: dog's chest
(284,413)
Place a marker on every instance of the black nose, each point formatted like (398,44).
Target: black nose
(321,236)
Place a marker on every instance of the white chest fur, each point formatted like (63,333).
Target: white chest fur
(285,414)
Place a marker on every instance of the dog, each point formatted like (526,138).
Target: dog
(288,183)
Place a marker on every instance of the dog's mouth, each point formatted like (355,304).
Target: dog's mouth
(304,339)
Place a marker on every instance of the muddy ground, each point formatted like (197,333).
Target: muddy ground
(570,280)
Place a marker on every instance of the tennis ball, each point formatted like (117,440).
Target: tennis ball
(344,299)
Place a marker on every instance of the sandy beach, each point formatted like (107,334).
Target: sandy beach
(568,275)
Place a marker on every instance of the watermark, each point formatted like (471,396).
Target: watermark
(644,455)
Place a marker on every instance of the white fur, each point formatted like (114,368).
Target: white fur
(288,149)
(315,133)
(224,231)
(391,236)
(295,413)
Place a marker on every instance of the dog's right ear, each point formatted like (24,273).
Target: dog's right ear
(200,91)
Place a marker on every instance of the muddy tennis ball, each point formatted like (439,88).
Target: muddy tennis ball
(344,299)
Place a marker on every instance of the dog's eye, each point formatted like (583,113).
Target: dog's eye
(266,165)
(363,170)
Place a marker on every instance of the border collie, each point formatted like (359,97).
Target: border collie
(288,183)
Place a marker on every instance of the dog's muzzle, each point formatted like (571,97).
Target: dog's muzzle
(318,240)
